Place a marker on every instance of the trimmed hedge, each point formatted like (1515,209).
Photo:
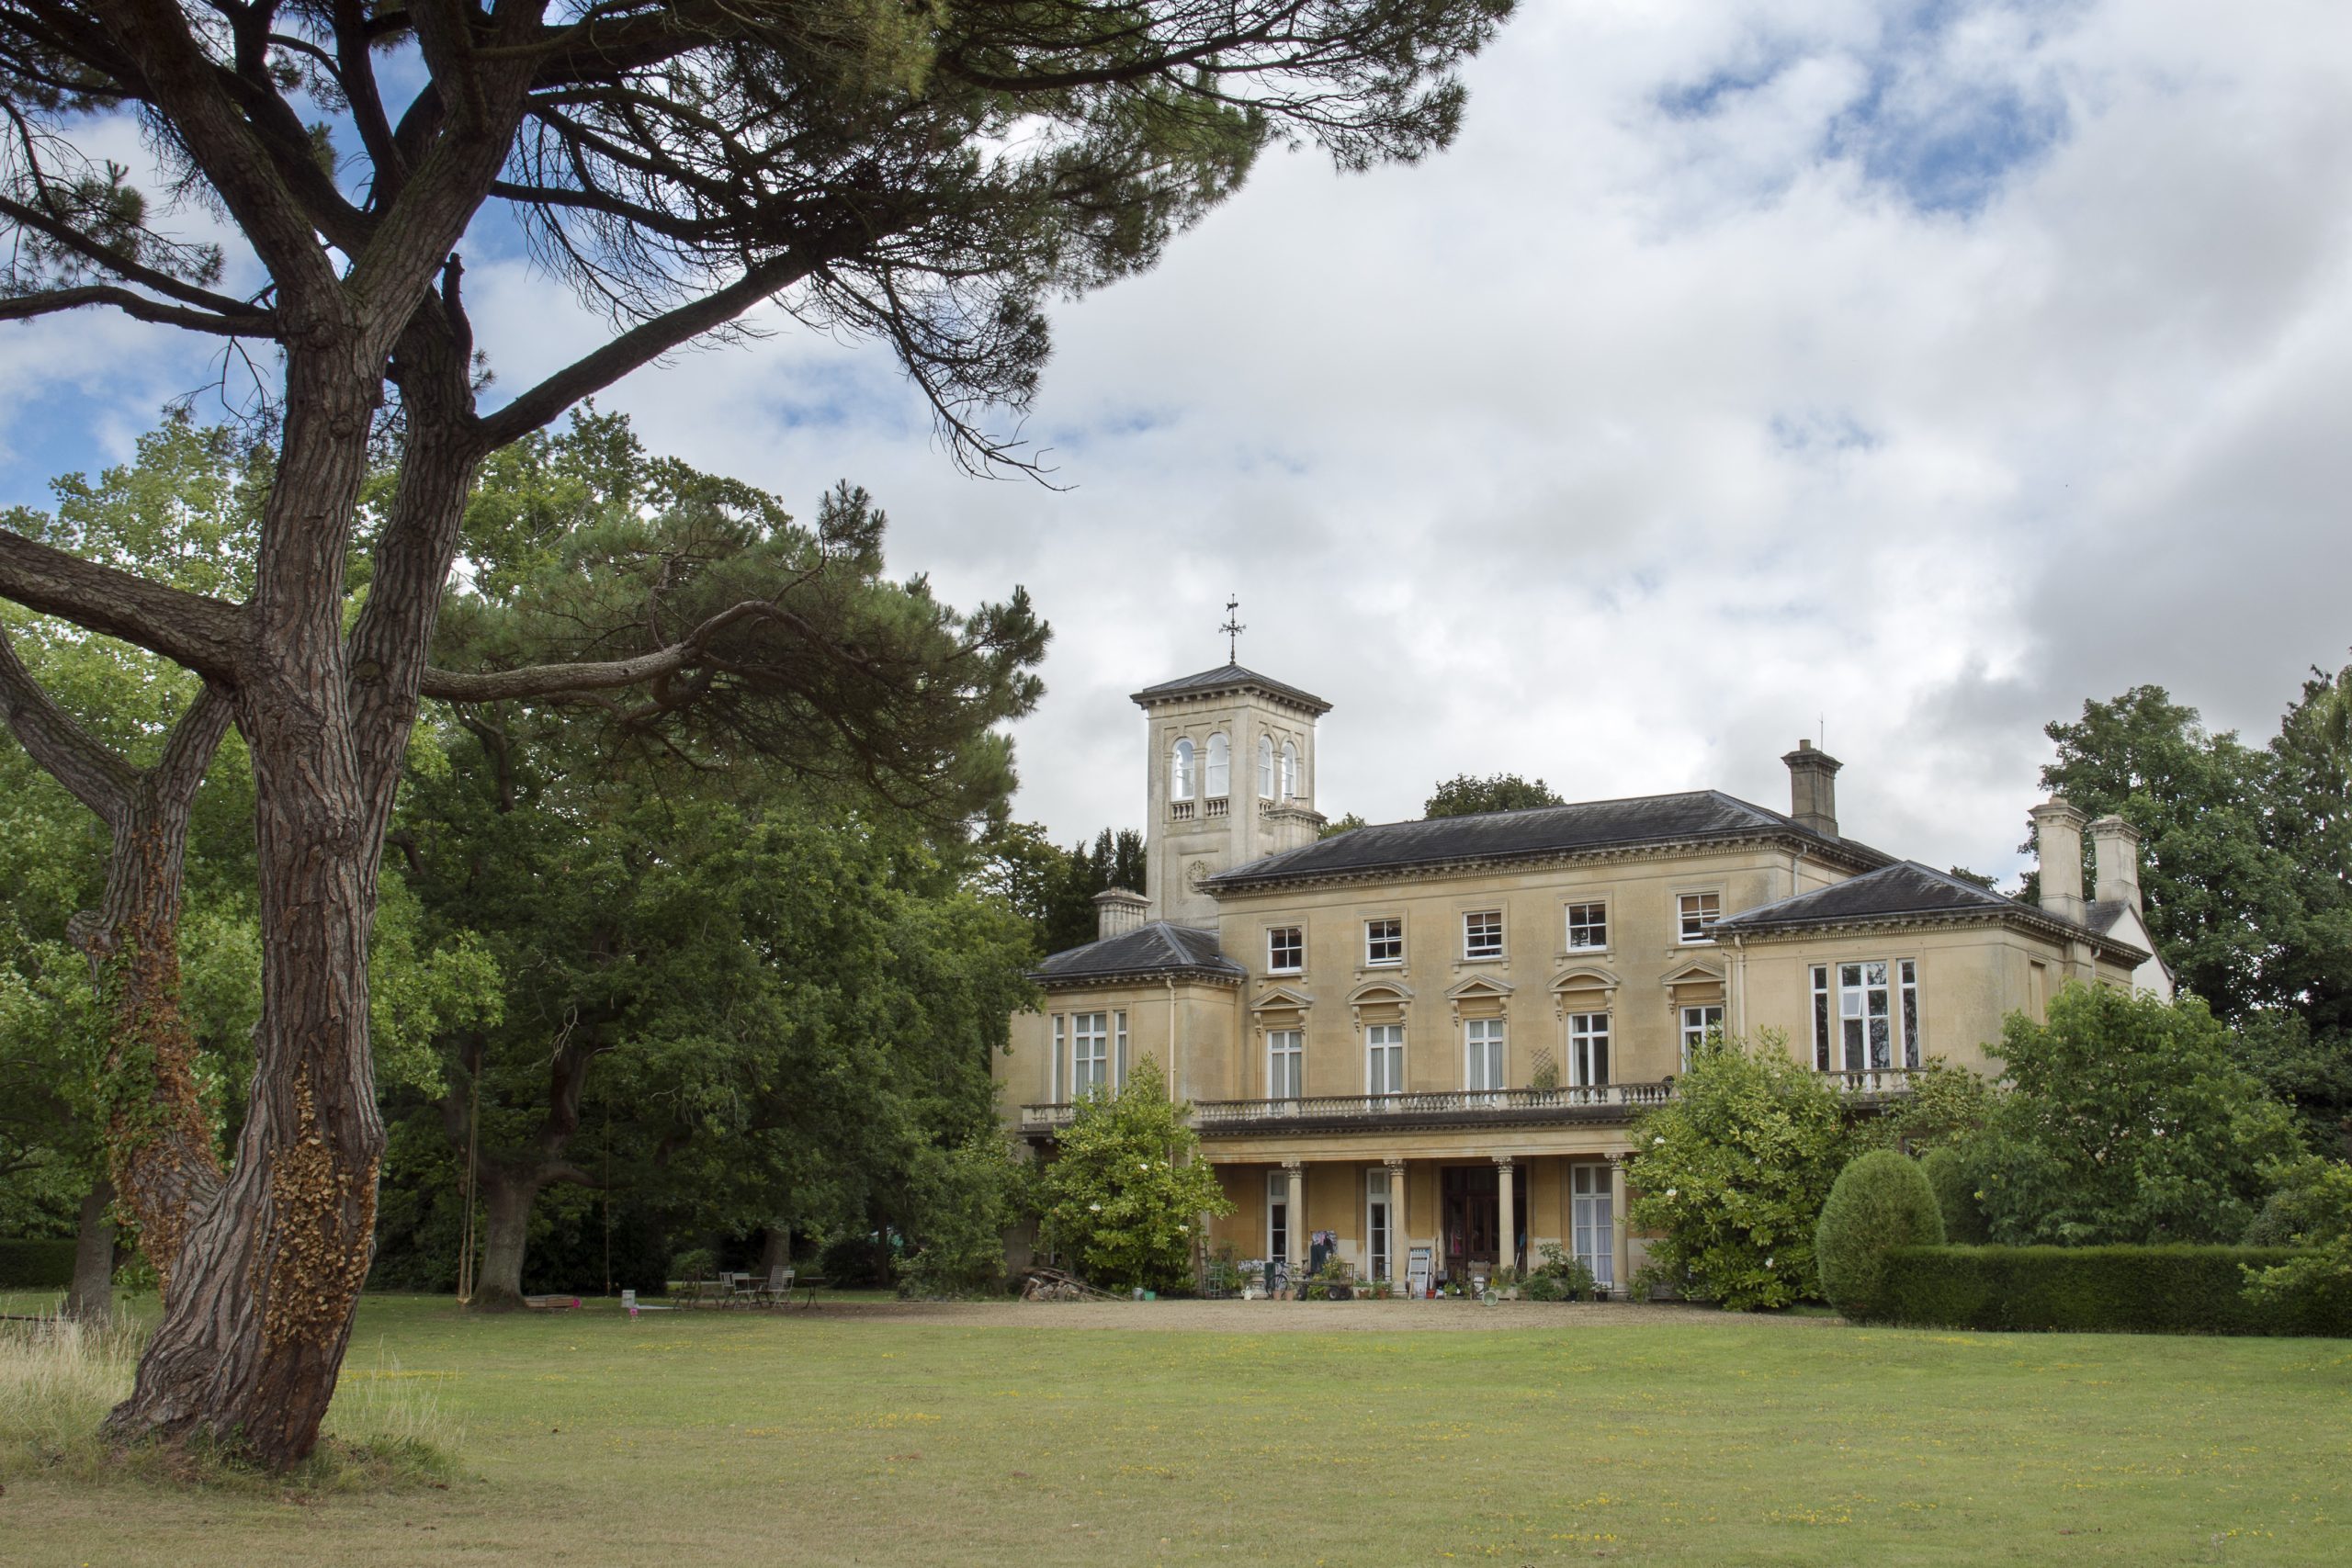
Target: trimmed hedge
(36,1265)
(1881,1202)
(2098,1290)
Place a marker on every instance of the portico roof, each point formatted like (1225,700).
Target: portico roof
(1146,952)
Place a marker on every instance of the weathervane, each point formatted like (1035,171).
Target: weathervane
(1233,628)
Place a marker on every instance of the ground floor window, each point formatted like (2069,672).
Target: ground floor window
(1097,1051)
(1384,1058)
(1378,1243)
(1697,1024)
(1593,1221)
(1587,1048)
(1278,1216)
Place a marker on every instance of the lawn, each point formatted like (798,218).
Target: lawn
(826,1437)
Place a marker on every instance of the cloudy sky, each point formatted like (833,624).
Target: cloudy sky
(1745,371)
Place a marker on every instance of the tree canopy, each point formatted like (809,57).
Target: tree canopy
(1465,795)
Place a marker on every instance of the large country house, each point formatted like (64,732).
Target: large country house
(1429,1039)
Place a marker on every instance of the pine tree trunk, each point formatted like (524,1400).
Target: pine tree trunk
(160,1149)
(91,1300)
(255,1334)
(508,1199)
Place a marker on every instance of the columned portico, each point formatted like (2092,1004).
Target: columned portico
(1620,1242)
(1295,1233)
(1507,1231)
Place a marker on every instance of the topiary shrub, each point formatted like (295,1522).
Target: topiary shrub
(1879,1201)
(1954,1185)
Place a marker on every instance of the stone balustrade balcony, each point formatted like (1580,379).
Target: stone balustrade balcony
(1599,1104)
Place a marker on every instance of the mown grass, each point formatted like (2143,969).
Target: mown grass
(802,1438)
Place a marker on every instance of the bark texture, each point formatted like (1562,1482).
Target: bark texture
(91,1298)
(160,1150)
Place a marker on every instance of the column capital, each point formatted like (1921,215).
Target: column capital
(1395,1162)
(1294,1165)
(1506,1161)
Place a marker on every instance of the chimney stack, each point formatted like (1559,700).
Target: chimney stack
(1813,788)
(2058,830)
(2115,860)
(1118,913)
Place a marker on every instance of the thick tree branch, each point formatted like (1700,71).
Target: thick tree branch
(638,346)
(68,753)
(206,635)
(573,680)
(25,307)
(123,268)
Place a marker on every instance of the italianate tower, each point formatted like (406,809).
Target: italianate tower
(1230,766)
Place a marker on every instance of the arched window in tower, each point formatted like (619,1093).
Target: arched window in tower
(1265,767)
(1220,770)
(1291,779)
(1179,772)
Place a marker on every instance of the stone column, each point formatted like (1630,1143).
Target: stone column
(1400,1250)
(1294,1173)
(1620,1243)
(1506,1246)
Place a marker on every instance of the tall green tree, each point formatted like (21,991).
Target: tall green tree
(722,901)
(1465,795)
(926,177)
(2125,1120)
(1055,888)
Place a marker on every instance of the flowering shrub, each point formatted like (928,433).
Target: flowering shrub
(1731,1174)
(1123,1196)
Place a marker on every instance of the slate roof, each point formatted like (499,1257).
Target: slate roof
(1230,677)
(1905,890)
(1536,833)
(1158,948)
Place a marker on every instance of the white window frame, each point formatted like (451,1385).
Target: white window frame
(1278,1199)
(1592,1220)
(1906,976)
(1285,1064)
(1059,1091)
(1384,1058)
(1379,1225)
(1291,790)
(1089,1068)
(1371,962)
(1471,950)
(1180,768)
(1217,774)
(1265,767)
(1486,1056)
(1823,1020)
(1863,1001)
(1689,916)
(1274,965)
(1568,927)
(1588,1066)
(1697,1026)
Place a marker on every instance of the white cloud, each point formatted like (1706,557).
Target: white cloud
(1745,367)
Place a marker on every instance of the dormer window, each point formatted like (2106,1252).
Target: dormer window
(1265,767)
(1290,770)
(1221,768)
(1179,772)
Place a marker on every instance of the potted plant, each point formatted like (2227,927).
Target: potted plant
(1335,1281)
(1224,1280)
(1507,1284)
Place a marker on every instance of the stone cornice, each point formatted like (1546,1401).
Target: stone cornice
(1238,881)
(2020,918)
(1097,980)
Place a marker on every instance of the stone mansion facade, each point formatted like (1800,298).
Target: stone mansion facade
(1430,1039)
